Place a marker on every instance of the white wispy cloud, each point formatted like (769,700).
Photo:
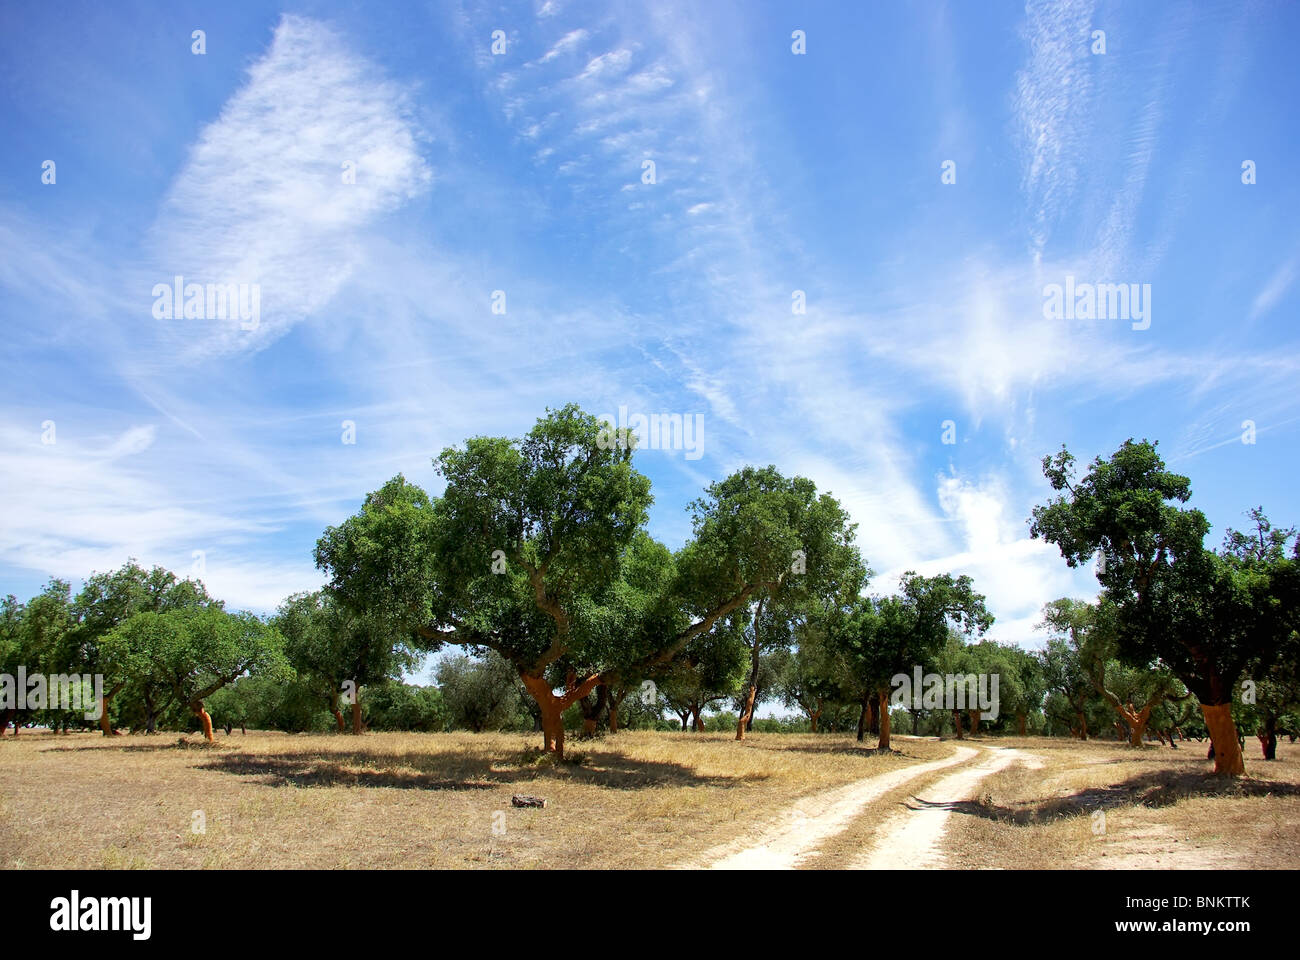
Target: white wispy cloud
(262,198)
(1051,99)
(1276,288)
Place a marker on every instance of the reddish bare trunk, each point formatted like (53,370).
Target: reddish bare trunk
(615,702)
(956,719)
(865,719)
(974,722)
(1223,739)
(199,711)
(1022,727)
(552,713)
(105,724)
(743,723)
(1135,733)
(338,719)
(1268,738)
(356,714)
(883,744)
(552,707)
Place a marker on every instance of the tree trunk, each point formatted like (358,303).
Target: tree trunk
(878,706)
(1268,738)
(1022,723)
(338,719)
(883,744)
(552,707)
(1136,729)
(697,722)
(615,702)
(956,719)
(105,724)
(356,714)
(1223,739)
(204,718)
(743,723)
(593,705)
(1083,724)
(974,722)
(812,717)
(864,718)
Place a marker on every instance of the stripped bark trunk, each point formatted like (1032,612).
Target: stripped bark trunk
(105,724)
(813,715)
(1268,738)
(1021,723)
(883,743)
(742,724)
(1223,739)
(198,710)
(974,722)
(956,719)
(615,702)
(552,707)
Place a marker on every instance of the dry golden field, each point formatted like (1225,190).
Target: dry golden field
(637,799)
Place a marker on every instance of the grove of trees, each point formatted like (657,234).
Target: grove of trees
(535,580)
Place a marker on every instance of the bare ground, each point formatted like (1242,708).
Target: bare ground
(633,800)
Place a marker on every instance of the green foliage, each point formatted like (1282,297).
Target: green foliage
(393,705)
(1207,616)
(479,694)
(193,652)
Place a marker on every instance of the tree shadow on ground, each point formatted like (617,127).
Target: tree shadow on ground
(180,743)
(1160,788)
(450,771)
(854,748)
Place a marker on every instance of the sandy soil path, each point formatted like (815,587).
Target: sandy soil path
(801,829)
(912,839)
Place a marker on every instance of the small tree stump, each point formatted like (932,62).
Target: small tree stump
(519,800)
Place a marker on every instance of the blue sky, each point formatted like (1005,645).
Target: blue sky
(523,171)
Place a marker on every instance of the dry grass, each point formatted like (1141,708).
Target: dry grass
(402,800)
(633,800)
(1103,805)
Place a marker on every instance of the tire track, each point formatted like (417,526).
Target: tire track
(798,832)
(912,840)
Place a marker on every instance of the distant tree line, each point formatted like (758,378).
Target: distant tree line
(570,618)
